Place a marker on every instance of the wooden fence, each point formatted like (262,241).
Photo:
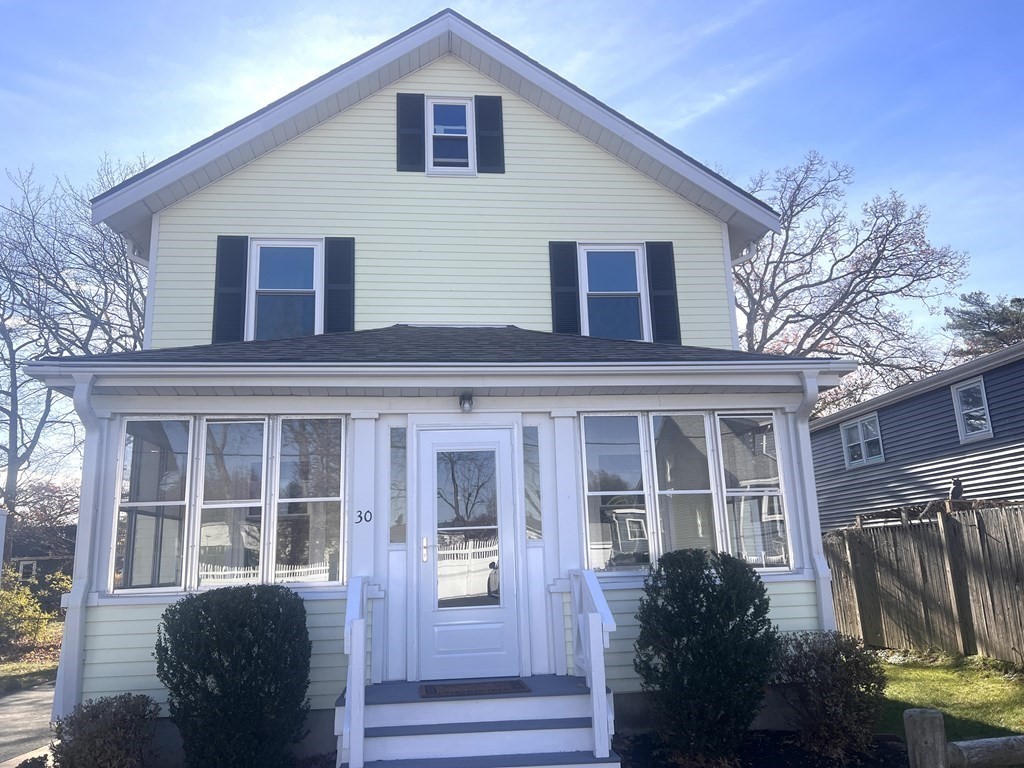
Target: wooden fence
(949,578)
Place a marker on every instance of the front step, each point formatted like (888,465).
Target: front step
(536,760)
(547,727)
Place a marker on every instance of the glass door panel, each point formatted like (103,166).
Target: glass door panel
(466,513)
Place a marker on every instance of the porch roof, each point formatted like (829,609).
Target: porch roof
(412,360)
(411,344)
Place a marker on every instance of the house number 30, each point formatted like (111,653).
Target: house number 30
(363,517)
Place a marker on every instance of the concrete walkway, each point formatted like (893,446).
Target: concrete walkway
(24,724)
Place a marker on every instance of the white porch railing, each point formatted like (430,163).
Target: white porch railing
(355,686)
(592,625)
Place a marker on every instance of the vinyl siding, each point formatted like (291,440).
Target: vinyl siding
(923,453)
(794,607)
(439,249)
(119,642)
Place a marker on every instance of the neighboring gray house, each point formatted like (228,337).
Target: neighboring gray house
(906,446)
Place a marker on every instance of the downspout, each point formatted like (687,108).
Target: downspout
(68,690)
(805,468)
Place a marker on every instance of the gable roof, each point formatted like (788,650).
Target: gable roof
(129,206)
(946,378)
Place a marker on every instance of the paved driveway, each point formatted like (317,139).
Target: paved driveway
(25,721)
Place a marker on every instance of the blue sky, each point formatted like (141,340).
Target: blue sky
(925,97)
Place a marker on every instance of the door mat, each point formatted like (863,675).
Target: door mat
(475,688)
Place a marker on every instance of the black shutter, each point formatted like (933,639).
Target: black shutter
(565,288)
(411,147)
(339,284)
(229,288)
(661,287)
(490,136)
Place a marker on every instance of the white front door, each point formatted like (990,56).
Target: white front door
(467,554)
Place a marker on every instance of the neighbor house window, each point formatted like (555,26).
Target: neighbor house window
(862,441)
(26,570)
(450,145)
(972,417)
(285,289)
(613,293)
(714,485)
(267,507)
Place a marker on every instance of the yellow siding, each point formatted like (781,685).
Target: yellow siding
(119,642)
(438,249)
(793,607)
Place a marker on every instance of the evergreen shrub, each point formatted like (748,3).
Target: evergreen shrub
(22,619)
(112,731)
(235,662)
(704,652)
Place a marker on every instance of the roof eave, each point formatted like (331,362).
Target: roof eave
(944,378)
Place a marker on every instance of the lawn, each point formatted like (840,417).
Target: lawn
(31,667)
(979,699)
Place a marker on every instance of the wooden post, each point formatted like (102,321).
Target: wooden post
(956,582)
(853,585)
(926,738)
(1007,750)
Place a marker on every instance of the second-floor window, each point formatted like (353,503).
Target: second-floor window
(972,419)
(614,293)
(862,441)
(286,289)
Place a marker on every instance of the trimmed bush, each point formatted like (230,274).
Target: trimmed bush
(22,619)
(836,689)
(113,731)
(235,662)
(705,651)
(40,761)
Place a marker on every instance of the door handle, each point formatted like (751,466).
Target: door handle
(426,545)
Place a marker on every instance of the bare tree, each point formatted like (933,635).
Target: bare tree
(67,287)
(832,283)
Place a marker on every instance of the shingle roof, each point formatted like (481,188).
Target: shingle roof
(411,344)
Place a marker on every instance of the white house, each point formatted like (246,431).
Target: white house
(449,347)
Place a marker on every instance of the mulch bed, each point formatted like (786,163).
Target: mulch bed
(763,749)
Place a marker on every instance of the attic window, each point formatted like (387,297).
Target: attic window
(450,145)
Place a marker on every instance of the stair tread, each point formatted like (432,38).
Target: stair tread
(551,723)
(403,692)
(500,761)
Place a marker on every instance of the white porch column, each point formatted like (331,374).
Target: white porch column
(363,515)
(569,530)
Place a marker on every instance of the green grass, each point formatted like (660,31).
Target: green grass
(31,665)
(19,675)
(977,698)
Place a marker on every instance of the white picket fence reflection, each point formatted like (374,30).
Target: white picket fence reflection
(463,567)
(210,573)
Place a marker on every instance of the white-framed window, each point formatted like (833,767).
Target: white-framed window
(26,570)
(613,292)
(451,145)
(862,441)
(209,501)
(286,288)
(971,405)
(659,482)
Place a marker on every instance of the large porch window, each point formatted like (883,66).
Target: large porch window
(665,481)
(211,502)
